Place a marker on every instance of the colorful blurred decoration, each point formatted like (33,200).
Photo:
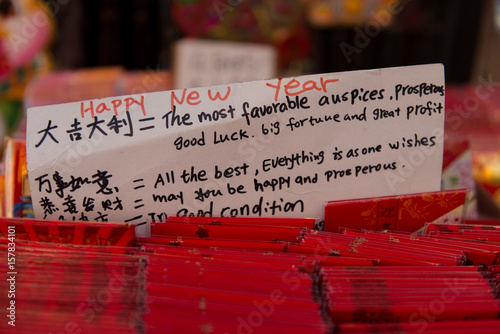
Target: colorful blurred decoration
(487,172)
(473,113)
(276,22)
(17,195)
(330,13)
(25,30)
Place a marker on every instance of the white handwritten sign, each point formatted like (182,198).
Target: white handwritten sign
(278,148)
(206,62)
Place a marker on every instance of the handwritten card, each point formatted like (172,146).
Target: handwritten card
(274,148)
(207,62)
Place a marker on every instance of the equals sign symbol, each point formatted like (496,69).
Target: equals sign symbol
(138,203)
(138,186)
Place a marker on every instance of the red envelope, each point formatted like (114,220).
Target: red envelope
(404,212)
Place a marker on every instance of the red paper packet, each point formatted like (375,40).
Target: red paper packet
(404,212)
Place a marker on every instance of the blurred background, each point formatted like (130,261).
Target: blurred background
(309,36)
(308,33)
(56,51)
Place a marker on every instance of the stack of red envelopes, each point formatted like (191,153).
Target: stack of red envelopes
(58,284)
(410,299)
(229,291)
(225,275)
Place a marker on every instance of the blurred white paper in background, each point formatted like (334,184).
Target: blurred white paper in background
(200,63)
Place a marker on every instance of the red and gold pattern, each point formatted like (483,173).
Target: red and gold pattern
(405,212)
(75,233)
